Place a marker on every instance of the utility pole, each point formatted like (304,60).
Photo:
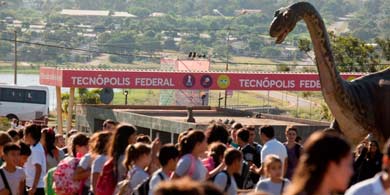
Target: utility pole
(227,42)
(16,58)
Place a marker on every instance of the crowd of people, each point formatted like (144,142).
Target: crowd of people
(222,159)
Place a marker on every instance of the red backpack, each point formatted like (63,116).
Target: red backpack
(107,181)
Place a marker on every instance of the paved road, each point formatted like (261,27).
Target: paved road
(292,100)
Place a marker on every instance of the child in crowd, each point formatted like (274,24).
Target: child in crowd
(79,149)
(168,157)
(35,167)
(13,133)
(225,180)
(25,152)
(192,146)
(123,136)
(59,141)
(64,176)
(4,139)
(144,139)
(99,154)
(215,156)
(275,183)
(13,177)
(53,154)
(138,157)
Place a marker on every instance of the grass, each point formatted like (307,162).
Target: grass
(138,97)
(20,69)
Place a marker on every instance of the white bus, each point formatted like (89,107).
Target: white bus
(24,103)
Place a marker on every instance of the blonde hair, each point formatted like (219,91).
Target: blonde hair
(269,160)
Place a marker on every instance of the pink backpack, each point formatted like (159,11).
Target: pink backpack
(63,177)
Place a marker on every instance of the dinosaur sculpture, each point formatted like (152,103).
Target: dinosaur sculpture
(361,106)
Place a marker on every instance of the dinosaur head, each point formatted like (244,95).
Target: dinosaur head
(284,22)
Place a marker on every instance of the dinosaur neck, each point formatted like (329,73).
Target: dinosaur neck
(331,81)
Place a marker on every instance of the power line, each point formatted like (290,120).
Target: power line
(59,25)
(145,56)
(78,49)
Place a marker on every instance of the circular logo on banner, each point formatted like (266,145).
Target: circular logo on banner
(206,81)
(223,81)
(189,80)
(350,78)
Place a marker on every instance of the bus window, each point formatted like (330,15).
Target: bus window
(21,95)
(11,95)
(36,97)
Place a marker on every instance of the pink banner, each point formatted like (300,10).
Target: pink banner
(184,80)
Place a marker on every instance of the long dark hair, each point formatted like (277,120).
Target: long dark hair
(189,141)
(319,150)
(217,133)
(119,141)
(49,136)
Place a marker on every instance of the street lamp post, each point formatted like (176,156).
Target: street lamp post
(126,93)
(228,42)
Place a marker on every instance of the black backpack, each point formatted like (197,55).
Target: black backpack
(143,188)
(228,182)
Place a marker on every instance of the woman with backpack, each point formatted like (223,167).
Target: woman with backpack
(293,150)
(53,154)
(99,155)
(192,146)
(225,179)
(65,180)
(138,157)
(114,171)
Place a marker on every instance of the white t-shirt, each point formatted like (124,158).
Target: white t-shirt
(156,179)
(13,180)
(97,165)
(184,166)
(37,157)
(274,147)
(221,180)
(272,188)
(85,163)
(137,176)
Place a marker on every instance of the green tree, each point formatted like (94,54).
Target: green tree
(353,54)
(89,96)
(270,52)
(170,43)
(140,11)
(122,43)
(384,44)
(5,49)
(304,45)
